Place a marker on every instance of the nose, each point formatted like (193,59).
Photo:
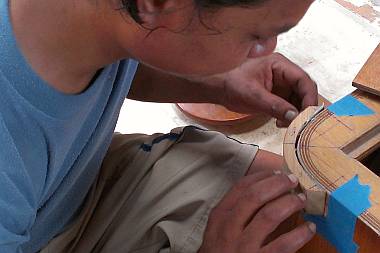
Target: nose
(263,47)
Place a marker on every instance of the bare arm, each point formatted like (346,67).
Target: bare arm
(272,84)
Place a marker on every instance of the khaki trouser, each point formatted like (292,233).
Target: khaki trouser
(154,193)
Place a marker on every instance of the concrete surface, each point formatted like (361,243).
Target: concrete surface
(331,43)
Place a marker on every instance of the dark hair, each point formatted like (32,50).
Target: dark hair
(131,6)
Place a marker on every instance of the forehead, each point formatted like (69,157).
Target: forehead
(270,15)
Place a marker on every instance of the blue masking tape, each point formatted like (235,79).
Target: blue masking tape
(345,205)
(350,106)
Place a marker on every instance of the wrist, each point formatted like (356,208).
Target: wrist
(213,88)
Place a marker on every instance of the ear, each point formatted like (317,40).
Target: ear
(153,13)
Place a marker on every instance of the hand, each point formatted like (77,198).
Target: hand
(247,216)
(273,85)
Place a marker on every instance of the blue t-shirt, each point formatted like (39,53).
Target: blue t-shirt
(51,144)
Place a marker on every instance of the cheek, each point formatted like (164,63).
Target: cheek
(263,48)
(198,55)
(219,57)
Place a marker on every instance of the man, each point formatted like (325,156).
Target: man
(65,69)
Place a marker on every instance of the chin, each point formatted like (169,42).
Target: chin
(195,70)
(198,72)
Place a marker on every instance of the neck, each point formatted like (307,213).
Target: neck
(65,42)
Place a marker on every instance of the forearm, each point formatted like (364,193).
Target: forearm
(151,85)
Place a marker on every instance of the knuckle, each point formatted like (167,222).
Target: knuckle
(277,109)
(292,204)
(295,202)
(269,215)
(283,181)
(283,246)
(243,184)
(257,96)
(305,235)
(256,198)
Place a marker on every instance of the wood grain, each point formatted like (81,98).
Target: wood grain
(321,155)
(368,78)
(212,114)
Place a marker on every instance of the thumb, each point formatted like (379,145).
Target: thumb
(278,108)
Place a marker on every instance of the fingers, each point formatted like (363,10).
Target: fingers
(305,88)
(258,195)
(302,85)
(286,73)
(308,91)
(251,211)
(230,199)
(276,106)
(293,241)
(282,124)
(272,215)
(221,222)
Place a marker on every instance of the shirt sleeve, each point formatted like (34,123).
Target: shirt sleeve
(17,195)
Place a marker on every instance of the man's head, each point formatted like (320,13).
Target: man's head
(202,37)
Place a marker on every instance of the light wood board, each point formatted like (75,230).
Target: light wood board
(368,78)
(324,155)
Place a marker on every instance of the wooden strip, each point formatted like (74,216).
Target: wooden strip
(364,144)
(368,78)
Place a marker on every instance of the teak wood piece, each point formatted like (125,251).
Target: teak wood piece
(328,151)
(212,114)
(368,78)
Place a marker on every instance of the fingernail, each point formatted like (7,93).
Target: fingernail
(312,227)
(290,115)
(302,197)
(293,178)
(277,172)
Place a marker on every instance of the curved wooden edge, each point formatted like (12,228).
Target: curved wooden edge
(316,195)
(213,114)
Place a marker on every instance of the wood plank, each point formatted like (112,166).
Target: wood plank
(368,78)
(319,155)
(331,167)
(327,153)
